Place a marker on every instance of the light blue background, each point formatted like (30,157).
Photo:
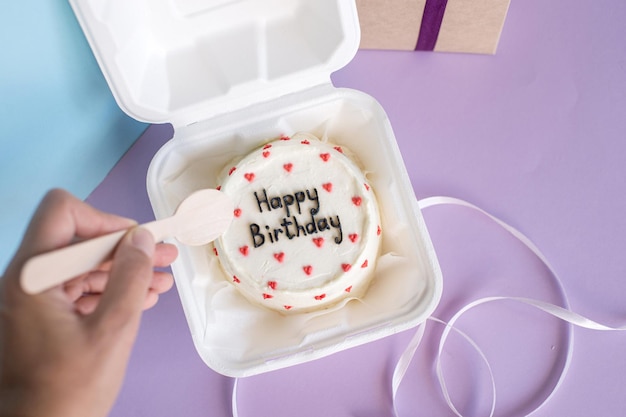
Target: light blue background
(59,123)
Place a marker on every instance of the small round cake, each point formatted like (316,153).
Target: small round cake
(306,228)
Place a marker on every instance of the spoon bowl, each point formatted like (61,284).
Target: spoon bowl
(199,219)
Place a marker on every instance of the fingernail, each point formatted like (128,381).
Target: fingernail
(143,240)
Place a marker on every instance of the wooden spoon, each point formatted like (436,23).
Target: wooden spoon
(199,219)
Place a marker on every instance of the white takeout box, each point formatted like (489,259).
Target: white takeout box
(229,75)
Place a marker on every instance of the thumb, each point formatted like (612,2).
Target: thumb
(131,272)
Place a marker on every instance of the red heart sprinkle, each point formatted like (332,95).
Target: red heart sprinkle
(349,288)
(266,154)
(353,237)
(328,186)
(307,269)
(266,296)
(237,212)
(367,187)
(244,250)
(279,256)
(235,279)
(319,241)
(269,145)
(287,307)
(219,187)
(325,156)
(378,231)
(305,142)
(230,172)
(215,251)
(249,176)
(271,284)
(356,201)
(285,137)
(338,149)
(346,267)
(320,297)
(364,264)
(288,167)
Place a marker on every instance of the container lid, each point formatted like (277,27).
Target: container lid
(182,61)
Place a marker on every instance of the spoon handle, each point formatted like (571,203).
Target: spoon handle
(49,269)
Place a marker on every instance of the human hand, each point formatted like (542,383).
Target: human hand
(64,352)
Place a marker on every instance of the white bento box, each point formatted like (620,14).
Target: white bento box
(229,75)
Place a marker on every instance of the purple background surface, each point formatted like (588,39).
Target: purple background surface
(535,135)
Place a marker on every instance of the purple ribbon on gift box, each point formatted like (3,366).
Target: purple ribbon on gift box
(431,24)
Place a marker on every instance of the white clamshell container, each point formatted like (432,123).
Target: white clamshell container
(230,75)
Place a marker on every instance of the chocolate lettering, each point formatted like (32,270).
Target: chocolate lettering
(257,238)
(285,224)
(316,199)
(276,232)
(276,202)
(266,203)
(311,227)
(337,225)
(291,226)
(299,228)
(322,224)
(288,200)
(261,201)
(299,199)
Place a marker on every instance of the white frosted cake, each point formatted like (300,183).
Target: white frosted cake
(306,229)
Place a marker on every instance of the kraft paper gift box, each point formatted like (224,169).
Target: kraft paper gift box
(470,26)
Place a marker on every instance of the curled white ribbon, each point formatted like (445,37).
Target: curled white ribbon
(560,312)
(563,313)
